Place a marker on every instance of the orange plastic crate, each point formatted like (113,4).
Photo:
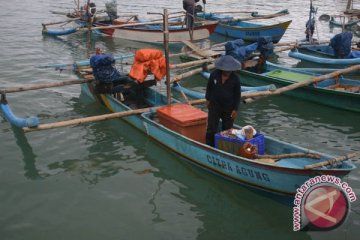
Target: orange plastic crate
(184,119)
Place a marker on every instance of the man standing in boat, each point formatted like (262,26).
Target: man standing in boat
(223,93)
(191,9)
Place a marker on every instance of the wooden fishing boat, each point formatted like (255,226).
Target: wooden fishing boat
(341,22)
(341,62)
(340,93)
(245,30)
(153,33)
(142,32)
(258,174)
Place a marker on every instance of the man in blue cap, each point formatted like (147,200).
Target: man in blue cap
(223,93)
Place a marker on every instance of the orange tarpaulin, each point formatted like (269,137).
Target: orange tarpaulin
(148,61)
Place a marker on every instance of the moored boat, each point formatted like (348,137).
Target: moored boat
(245,30)
(341,62)
(260,175)
(153,33)
(341,22)
(340,93)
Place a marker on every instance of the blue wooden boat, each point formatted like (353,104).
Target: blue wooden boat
(257,174)
(246,30)
(341,93)
(323,60)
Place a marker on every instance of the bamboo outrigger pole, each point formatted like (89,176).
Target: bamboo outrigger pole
(78,121)
(43,85)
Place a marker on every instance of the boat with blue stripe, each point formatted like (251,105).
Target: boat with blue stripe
(261,175)
(246,30)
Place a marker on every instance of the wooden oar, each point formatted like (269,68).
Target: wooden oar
(272,159)
(289,155)
(331,161)
(78,121)
(43,85)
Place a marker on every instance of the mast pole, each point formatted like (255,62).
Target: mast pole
(166,48)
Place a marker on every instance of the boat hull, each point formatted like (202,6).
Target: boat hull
(323,60)
(251,34)
(157,36)
(241,170)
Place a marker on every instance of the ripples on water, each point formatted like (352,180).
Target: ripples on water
(107,180)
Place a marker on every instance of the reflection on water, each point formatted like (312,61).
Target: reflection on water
(29,157)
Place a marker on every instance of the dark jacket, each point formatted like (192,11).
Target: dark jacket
(227,95)
(189,6)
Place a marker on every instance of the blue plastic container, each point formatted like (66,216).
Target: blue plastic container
(232,144)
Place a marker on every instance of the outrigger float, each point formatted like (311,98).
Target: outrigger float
(162,118)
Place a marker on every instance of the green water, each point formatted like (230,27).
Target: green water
(107,180)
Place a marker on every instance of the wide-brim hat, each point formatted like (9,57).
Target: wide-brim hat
(227,63)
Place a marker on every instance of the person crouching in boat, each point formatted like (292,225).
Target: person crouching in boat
(223,93)
(108,79)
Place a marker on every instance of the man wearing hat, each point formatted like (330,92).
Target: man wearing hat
(223,94)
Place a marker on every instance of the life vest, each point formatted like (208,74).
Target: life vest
(148,61)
